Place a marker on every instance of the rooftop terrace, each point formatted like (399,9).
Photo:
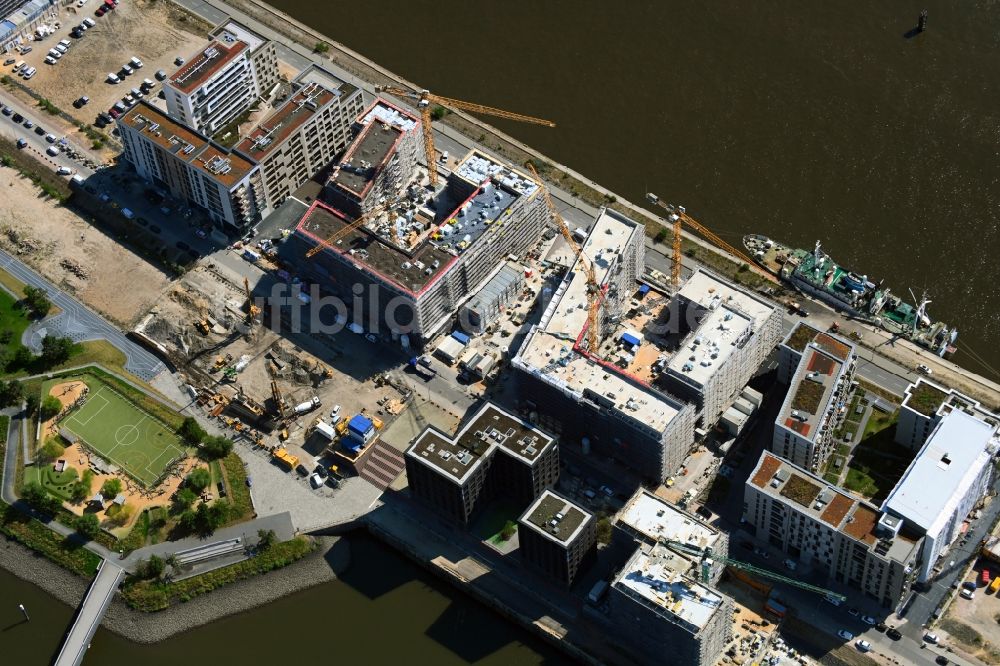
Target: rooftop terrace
(556,518)
(189,146)
(492,429)
(811,392)
(549,349)
(659,578)
(286,120)
(206,64)
(827,504)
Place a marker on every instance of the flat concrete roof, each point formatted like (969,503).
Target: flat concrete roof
(390,114)
(943,471)
(369,252)
(189,146)
(811,392)
(477,167)
(654,518)
(549,349)
(556,518)
(366,157)
(660,577)
(206,64)
(711,345)
(490,429)
(274,130)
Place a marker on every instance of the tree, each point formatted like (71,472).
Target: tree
(88,525)
(151,568)
(603,530)
(50,407)
(216,516)
(321,47)
(509,530)
(37,300)
(661,236)
(198,479)
(22,358)
(111,488)
(81,489)
(265,539)
(438,112)
(191,431)
(34,494)
(120,513)
(51,450)
(189,520)
(184,498)
(55,350)
(11,392)
(216,446)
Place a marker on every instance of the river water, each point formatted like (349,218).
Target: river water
(383,610)
(800,120)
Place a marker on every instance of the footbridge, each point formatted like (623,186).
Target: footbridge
(90,614)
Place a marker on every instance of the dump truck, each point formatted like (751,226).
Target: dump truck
(285,458)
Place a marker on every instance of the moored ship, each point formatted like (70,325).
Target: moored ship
(817,274)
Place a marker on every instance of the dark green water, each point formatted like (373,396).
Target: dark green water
(384,611)
(801,120)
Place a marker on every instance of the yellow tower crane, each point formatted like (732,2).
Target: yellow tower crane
(593,287)
(678,217)
(424,100)
(351,226)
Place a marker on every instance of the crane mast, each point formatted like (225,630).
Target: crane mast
(593,287)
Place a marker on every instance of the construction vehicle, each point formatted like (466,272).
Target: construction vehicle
(307,406)
(423,369)
(221,361)
(285,458)
(678,217)
(279,400)
(283,435)
(707,557)
(252,308)
(424,100)
(203,326)
(594,294)
(341,427)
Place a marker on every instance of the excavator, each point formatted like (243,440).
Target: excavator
(593,287)
(425,99)
(679,217)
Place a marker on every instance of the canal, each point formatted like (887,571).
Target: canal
(383,610)
(798,120)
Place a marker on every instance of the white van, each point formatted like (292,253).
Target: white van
(61,48)
(19,66)
(113,78)
(90,22)
(135,62)
(65,42)
(28,73)
(55,54)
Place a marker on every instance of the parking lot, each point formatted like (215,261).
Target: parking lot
(151,31)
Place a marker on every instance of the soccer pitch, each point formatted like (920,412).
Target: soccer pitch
(124,435)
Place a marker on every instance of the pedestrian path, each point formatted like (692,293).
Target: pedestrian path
(91,612)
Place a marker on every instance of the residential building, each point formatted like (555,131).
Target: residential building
(557,538)
(495,454)
(380,162)
(925,404)
(950,475)
(823,527)
(661,611)
(223,80)
(424,257)
(499,292)
(577,393)
(727,333)
(816,403)
(304,134)
(791,347)
(225,185)
(649,519)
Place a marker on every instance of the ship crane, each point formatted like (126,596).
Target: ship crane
(920,317)
(593,287)
(424,100)
(679,217)
(706,555)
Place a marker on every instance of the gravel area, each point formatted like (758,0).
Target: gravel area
(332,557)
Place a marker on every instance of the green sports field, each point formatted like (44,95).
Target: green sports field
(124,435)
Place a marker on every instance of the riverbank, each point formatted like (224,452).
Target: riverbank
(329,560)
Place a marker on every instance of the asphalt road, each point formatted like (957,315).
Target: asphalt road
(37,144)
(79,323)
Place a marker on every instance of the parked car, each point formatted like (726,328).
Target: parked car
(845,634)
(181,245)
(941,659)
(17,117)
(931,638)
(52,150)
(21,143)
(6,110)
(864,645)
(317,481)
(249,482)
(39,130)
(51,138)
(894,633)
(81,102)
(64,171)
(155,229)
(28,124)
(967,594)
(852,611)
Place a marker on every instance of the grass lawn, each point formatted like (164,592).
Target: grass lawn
(878,462)
(860,481)
(13,321)
(56,483)
(124,434)
(491,522)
